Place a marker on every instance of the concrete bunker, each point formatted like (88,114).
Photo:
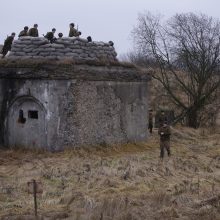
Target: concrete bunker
(70,93)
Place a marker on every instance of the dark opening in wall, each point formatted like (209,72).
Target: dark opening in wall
(21,118)
(33,114)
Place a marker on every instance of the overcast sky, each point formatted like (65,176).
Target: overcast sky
(104,20)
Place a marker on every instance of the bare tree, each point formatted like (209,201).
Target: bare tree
(186,49)
(139,59)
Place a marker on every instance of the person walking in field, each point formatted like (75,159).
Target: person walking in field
(162,118)
(150,121)
(165,133)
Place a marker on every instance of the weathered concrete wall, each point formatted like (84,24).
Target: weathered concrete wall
(54,106)
(76,112)
(68,47)
(107,112)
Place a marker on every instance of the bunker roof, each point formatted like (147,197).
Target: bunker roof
(69,69)
(67,58)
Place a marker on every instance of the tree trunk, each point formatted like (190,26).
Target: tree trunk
(193,118)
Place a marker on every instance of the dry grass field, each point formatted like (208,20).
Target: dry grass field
(126,182)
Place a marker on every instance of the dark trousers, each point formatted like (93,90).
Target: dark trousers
(164,145)
(150,127)
(4,51)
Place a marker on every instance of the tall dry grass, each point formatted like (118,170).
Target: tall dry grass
(118,182)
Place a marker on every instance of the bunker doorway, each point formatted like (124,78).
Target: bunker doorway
(26,124)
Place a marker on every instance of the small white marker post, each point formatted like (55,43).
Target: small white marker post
(34,188)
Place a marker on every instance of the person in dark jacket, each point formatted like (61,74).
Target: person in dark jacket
(164,132)
(24,32)
(33,32)
(50,36)
(7,44)
(162,118)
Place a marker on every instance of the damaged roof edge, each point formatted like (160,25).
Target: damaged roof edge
(98,71)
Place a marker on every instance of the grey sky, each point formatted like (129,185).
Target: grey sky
(104,20)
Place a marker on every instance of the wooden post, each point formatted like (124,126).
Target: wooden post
(35,197)
(35,188)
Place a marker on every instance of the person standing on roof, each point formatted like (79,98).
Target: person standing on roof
(50,36)
(7,44)
(33,32)
(72,32)
(24,32)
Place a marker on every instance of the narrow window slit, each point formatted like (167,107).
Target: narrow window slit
(21,118)
(33,114)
